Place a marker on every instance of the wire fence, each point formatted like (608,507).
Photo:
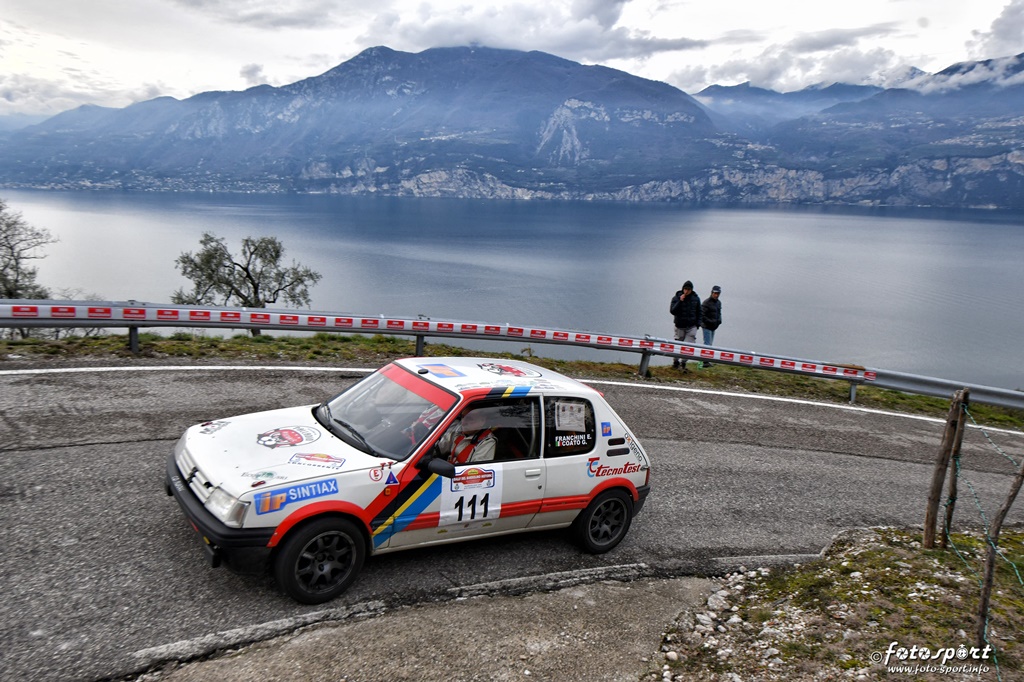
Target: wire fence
(991,526)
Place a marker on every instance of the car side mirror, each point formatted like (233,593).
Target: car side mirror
(439,466)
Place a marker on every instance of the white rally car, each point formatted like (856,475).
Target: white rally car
(423,451)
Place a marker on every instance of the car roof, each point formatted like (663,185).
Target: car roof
(464,375)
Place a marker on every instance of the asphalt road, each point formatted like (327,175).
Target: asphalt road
(102,576)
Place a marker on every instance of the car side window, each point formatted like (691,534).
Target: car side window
(493,431)
(568,426)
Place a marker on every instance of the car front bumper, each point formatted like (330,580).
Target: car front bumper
(242,549)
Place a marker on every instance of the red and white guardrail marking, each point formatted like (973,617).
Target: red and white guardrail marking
(67,314)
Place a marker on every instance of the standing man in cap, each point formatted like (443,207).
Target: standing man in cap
(711,318)
(685,311)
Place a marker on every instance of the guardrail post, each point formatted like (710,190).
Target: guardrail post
(853,392)
(133,340)
(645,364)
(420,344)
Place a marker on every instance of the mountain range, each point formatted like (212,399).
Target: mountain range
(481,122)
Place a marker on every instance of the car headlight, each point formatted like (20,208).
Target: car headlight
(226,507)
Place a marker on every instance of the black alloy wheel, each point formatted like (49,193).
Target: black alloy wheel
(604,522)
(320,560)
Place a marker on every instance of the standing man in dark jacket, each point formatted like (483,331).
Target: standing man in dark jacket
(685,311)
(711,317)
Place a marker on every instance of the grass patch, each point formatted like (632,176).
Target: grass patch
(375,350)
(842,613)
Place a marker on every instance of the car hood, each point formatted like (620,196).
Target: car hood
(244,453)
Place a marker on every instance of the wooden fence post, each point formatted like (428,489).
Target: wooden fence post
(941,464)
(958,441)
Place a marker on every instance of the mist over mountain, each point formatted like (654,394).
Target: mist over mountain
(481,122)
(748,110)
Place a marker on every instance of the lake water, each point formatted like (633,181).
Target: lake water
(924,292)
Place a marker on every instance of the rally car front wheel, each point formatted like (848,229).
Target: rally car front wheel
(320,560)
(604,522)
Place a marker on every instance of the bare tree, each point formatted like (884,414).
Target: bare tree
(19,244)
(253,280)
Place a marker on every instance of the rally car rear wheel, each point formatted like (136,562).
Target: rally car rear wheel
(604,522)
(320,560)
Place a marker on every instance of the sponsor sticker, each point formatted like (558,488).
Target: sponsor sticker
(212,427)
(442,370)
(508,370)
(288,437)
(637,452)
(606,429)
(276,500)
(264,476)
(597,470)
(317,459)
(473,477)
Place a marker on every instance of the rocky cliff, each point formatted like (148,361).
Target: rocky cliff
(477,122)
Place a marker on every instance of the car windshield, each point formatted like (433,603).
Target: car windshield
(388,414)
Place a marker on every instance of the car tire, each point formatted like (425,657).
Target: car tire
(319,560)
(605,521)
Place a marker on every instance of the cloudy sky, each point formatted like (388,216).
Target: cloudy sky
(58,54)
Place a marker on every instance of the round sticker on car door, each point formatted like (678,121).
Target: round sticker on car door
(472,496)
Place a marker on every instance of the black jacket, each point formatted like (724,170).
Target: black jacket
(711,313)
(686,313)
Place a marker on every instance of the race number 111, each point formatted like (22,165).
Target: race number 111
(472,506)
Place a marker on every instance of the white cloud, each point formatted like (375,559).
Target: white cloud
(60,53)
(605,12)
(1003,71)
(253,74)
(1004,38)
(280,14)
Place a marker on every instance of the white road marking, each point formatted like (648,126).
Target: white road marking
(183,368)
(600,382)
(795,401)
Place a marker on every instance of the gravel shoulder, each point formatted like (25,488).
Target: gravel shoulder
(607,630)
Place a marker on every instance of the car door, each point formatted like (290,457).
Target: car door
(570,457)
(499,491)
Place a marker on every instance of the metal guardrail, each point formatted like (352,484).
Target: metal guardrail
(134,315)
